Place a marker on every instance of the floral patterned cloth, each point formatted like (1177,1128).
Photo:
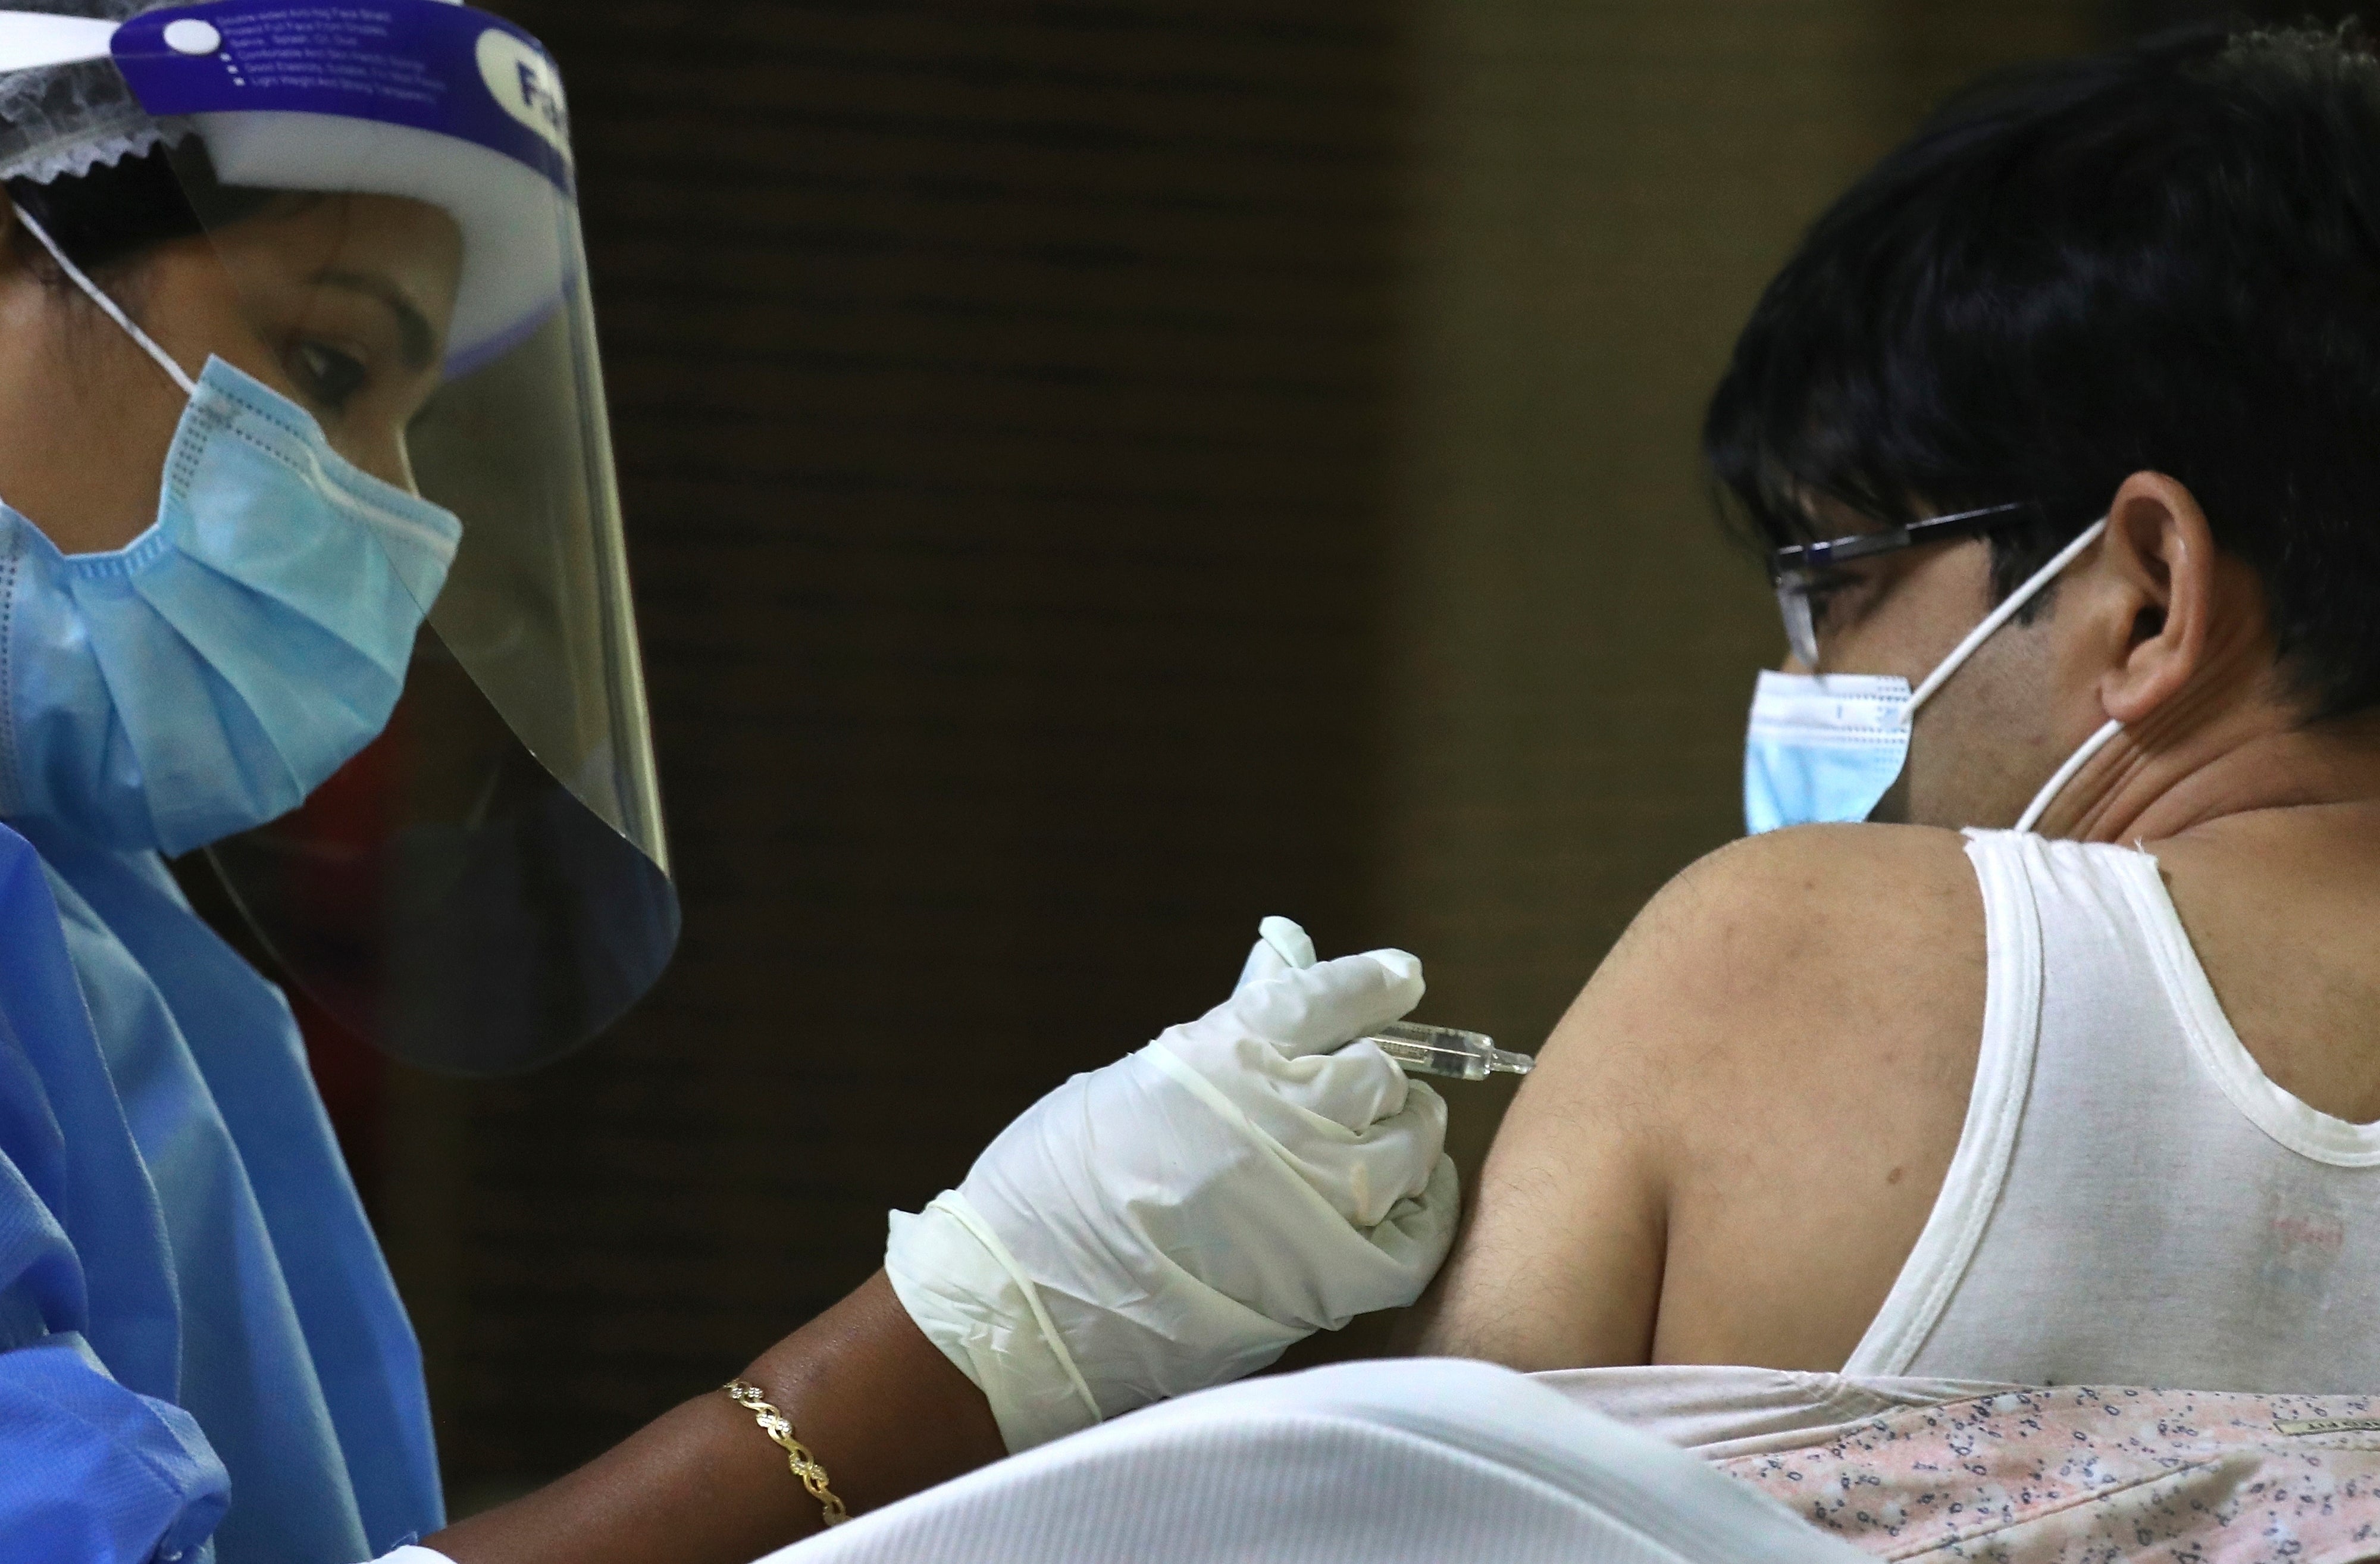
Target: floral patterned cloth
(2077,1475)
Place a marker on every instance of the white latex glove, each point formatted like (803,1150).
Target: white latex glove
(1180,1217)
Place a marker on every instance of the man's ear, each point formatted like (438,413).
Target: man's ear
(2158,591)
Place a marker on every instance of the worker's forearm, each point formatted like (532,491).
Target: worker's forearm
(877,1403)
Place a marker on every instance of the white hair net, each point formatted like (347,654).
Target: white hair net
(69,118)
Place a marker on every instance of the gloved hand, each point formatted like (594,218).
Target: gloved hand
(1180,1217)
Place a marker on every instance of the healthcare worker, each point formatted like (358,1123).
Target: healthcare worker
(310,557)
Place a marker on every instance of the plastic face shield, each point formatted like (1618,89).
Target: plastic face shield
(486,887)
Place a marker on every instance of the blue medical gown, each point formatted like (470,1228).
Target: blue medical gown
(202,1354)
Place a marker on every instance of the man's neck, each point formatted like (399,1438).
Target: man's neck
(2200,760)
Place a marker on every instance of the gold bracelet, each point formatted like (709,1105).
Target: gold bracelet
(802,1464)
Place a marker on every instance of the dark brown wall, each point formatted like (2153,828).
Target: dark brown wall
(2127,18)
(1002,407)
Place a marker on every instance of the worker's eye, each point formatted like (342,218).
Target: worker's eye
(327,375)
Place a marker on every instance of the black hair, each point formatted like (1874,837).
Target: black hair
(110,216)
(2162,258)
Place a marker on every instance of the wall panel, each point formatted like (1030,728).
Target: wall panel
(1002,394)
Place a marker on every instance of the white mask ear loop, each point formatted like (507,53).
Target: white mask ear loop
(2012,606)
(2065,774)
(2009,609)
(73,273)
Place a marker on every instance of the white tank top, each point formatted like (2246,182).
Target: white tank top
(2132,1202)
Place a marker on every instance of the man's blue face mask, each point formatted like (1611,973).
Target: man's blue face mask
(1828,747)
(207,676)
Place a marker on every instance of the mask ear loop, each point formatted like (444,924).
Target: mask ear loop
(2065,774)
(74,273)
(2009,609)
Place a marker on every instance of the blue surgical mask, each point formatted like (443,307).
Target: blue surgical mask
(1827,747)
(209,675)
(1822,747)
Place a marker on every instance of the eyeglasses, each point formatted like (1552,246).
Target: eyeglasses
(1799,571)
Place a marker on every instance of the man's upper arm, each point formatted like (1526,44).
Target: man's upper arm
(1558,1264)
(1719,1036)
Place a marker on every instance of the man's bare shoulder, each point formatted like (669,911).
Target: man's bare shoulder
(1793,932)
(1780,881)
(1784,1013)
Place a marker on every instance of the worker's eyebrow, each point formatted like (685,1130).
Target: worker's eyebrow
(416,338)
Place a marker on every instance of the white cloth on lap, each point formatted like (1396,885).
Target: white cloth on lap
(1391,1463)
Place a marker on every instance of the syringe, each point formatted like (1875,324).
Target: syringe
(1449,1051)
